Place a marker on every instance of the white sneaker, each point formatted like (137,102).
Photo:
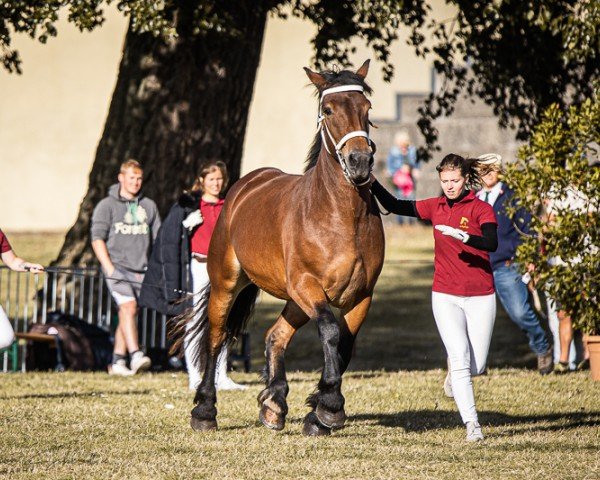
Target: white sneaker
(140,363)
(193,384)
(226,383)
(448,386)
(474,433)
(119,368)
(194,377)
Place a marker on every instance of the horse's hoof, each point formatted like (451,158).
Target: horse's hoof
(271,419)
(330,419)
(314,428)
(203,425)
(262,396)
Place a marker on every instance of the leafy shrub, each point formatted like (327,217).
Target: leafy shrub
(560,162)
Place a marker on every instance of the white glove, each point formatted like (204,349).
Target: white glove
(453,232)
(193,219)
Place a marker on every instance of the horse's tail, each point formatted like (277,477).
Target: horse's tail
(193,324)
(241,312)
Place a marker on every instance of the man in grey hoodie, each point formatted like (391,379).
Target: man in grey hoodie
(124,226)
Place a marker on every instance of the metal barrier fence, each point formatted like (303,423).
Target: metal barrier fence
(28,298)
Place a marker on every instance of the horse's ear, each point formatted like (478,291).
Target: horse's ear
(316,78)
(362,71)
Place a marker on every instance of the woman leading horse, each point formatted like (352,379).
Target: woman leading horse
(314,240)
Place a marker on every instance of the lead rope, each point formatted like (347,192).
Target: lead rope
(81,272)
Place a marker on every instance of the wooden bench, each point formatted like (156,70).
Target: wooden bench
(36,337)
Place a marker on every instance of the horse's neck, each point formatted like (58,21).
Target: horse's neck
(330,187)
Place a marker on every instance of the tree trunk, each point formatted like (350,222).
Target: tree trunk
(176,105)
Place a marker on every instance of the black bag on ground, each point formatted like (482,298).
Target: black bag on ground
(83,346)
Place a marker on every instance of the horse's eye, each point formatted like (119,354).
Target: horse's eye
(327,111)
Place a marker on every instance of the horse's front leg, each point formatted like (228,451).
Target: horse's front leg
(329,407)
(272,400)
(349,327)
(327,401)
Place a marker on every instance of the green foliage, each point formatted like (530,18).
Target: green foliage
(337,22)
(556,165)
(375,21)
(518,56)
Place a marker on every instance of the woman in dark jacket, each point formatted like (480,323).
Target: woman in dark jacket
(168,278)
(177,267)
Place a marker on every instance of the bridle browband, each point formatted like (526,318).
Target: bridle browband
(322,126)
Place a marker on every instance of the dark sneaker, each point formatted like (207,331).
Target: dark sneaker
(544,362)
(561,368)
(583,365)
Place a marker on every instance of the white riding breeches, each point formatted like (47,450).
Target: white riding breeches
(465,325)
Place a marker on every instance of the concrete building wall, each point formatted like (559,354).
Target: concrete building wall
(51,119)
(471,131)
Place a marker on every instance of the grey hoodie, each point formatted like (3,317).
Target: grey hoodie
(128,227)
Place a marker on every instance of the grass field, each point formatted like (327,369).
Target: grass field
(90,425)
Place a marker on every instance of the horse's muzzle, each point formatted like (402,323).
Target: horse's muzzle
(360,165)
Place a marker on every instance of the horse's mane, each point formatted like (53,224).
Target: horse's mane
(333,79)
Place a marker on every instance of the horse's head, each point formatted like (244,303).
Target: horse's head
(344,120)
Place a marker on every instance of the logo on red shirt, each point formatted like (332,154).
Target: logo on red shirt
(464,223)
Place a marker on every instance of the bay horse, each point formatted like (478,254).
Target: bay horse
(313,240)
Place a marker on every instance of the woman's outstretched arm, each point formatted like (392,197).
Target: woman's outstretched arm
(392,204)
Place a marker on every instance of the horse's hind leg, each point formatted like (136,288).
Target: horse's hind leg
(204,414)
(272,400)
(226,283)
(352,321)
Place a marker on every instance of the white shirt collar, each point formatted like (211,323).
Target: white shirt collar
(494,193)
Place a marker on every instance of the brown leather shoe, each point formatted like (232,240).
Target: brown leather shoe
(544,362)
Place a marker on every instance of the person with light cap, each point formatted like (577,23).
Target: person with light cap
(511,284)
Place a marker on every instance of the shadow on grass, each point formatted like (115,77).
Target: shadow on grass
(423,420)
(74,394)
(398,334)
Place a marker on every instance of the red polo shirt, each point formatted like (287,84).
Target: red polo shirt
(459,269)
(4,245)
(201,236)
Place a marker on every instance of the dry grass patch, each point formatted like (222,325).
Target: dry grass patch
(400,425)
